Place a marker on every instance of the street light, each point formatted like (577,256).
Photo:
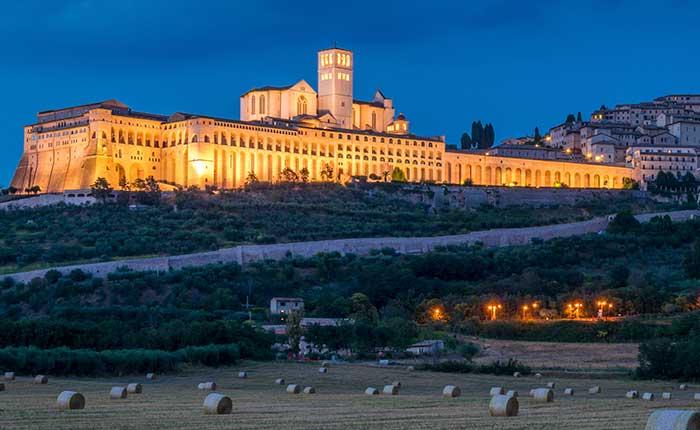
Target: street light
(493,309)
(575,309)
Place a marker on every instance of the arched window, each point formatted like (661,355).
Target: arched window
(301,105)
(252,105)
(374,120)
(262,104)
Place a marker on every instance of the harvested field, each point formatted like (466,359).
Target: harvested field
(173,401)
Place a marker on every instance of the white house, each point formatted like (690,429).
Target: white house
(426,347)
(285,305)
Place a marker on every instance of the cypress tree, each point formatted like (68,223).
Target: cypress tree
(465,141)
(537,137)
(578,117)
(570,118)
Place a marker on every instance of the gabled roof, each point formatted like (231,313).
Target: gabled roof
(282,88)
(105,103)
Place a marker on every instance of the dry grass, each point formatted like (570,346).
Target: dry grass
(173,402)
(565,356)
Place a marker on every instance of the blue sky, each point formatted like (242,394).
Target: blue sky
(516,64)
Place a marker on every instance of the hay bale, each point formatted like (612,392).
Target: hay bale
(683,387)
(322,370)
(68,400)
(666,396)
(309,390)
(648,396)
(503,406)
(151,376)
(134,388)
(326,364)
(532,392)
(632,394)
(669,419)
(9,376)
(243,375)
(451,391)
(41,379)
(391,390)
(384,362)
(117,393)
(543,395)
(538,375)
(551,385)
(594,390)
(207,386)
(217,404)
(497,391)
(568,391)
(396,384)
(517,375)
(293,389)
(371,391)
(512,393)
(279,381)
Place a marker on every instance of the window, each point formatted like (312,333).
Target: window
(301,105)
(374,120)
(252,105)
(262,104)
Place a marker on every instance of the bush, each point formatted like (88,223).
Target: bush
(495,368)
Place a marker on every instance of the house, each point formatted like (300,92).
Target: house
(426,347)
(285,305)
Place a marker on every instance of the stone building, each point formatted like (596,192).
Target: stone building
(323,133)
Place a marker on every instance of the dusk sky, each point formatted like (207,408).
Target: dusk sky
(516,64)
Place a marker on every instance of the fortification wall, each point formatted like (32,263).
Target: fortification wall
(248,253)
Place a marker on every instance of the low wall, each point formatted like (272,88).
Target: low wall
(248,253)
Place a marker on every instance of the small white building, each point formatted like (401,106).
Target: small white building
(285,305)
(426,347)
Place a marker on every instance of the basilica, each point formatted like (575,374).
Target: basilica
(325,132)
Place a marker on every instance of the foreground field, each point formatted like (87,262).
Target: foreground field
(173,402)
(561,356)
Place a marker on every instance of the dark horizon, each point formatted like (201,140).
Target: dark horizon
(514,65)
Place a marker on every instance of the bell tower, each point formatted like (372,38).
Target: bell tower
(335,84)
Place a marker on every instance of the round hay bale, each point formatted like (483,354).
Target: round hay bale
(517,375)
(217,404)
(151,376)
(538,375)
(632,394)
(9,376)
(551,385)
(512,393)
(666,396)
(532,392)
(279,381)
(451,391)
(134,388)
(371,391)
(117,393)
(41,379)
(670,419)
(68,400)
(325,364)
(293,389)
(696,396)
(648,396)
(243,375)
(207,386)
(410,368)
(496,391)
(309,390)
(683,387)
(322,370)
(568,391)
(503,406)
(391,390)
(543,395)
(594,390)
(396,384)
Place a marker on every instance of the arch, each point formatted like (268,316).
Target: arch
(616,182)
(252,105)
(547,178)
(577,180)
(487,175)
(518,179)
(194,138)
(587,180)
(557,177)
(374,120)
(538,178)
(567,179)
(528,177)
(262,104)
(120,172)
(498,180)
(136,172)
(301,105)
(606,181)
(509,176)
(596,181)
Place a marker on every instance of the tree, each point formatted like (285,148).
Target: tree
(397,175)
(251,179)
(101,189)
(385,175)
(12,190)
(579,118)
(362,309)
(571,118)
(488,136)
(477,131)
(691,261)
(624,222)
(33,189)
(537,138)
(304,175)
(629,184)
(327,172)
(147,191)
(294,331)
(289,175)
(465,141)
(124,184)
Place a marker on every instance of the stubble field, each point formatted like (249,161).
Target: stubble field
(173,401)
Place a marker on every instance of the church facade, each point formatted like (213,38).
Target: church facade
(292,127)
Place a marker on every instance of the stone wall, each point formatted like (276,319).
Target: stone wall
(248,253)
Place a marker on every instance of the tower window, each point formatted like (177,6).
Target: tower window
(301,105)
